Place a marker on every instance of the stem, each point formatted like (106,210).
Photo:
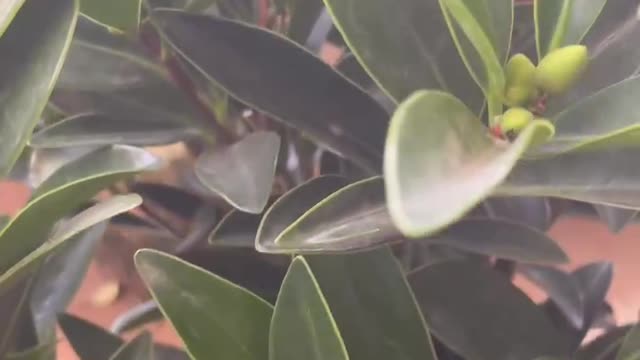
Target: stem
(494,107)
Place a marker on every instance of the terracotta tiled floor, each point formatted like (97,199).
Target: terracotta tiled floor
(583,240)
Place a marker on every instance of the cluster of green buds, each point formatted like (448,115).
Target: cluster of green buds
(528,86)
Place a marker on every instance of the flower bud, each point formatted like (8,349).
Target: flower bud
(560,69)
(515,119)
(520,87)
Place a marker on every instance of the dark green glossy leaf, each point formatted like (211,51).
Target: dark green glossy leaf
(235,321)
(123,15)
(303,326)
(352,218)
(581,125)
(65,232)
(482,32)
(243,172)
(65,190)
(285,89)
(421,51)
(88,340)
(44,162)
(440,161)
(98,129)
(108,74)
(294,204)
(603,177)
(502,239)
(4,220)
(499,321)
(46,351)
(34,48)
(616,218)
(373,306)
(59,279)
(613,54)
(593,282)
(140,348)
(137,316)
(236,229)
(561,288)
(563,22)
(535,212)
(630,348)
(303,15)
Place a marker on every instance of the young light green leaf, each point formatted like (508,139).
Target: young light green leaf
(61,193)
(601,177)
(373,305)
(196,302)
(123,15)
(563,22)
(440,161)
(59,279)
(354,217)
(502,239)
(88,340)
(292,205)
(140,348)
(99,130)
(286,89)
(137,316)
(242,173)
(500,321)
(582,125)
(34,48)
(422,47)
(482,32)
(303,326)
(67,231)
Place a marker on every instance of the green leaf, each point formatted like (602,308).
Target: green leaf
(604,346)
(612,60)
(561,288)
(563,22)
(420,54)
(373,306)
(97,130)
(140,348)
(123,15)
(88,340)
(45,351)
(108,74)
(8,12)
(535,212)
(630,348)
(66,189)
(581,126)
(482,32)
(60,277)
(302,325)
(235,229)
(354,217)
(292,205)
(137,316)
(242,173)
(499,321)
(34,48)
(502,239)
(235,321)
(303,15)
(602,177)
(615,218)
(67,231)
(291,81)
(440,161)
(594,281)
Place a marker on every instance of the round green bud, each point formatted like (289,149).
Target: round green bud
(520,86)
(561,68)
(515,119)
